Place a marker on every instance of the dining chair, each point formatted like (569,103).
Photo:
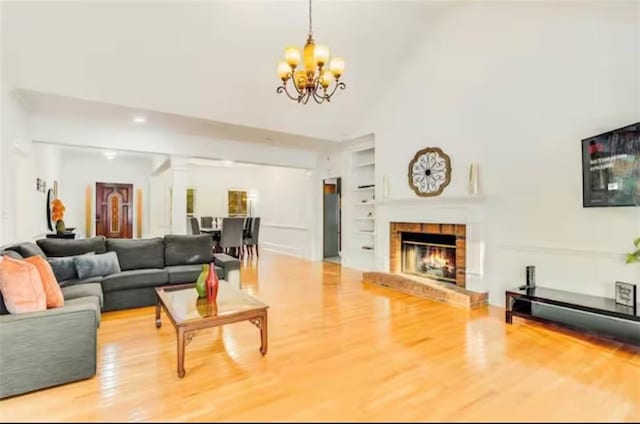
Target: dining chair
(206,221)
(192,226)
(231,235)
(246,231)
(252,240)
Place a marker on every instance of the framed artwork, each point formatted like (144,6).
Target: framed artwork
(191,201)
(626,294)
(237,203)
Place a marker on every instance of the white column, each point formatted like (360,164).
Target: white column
(179,180)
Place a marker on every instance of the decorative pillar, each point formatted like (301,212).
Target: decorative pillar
(178,199)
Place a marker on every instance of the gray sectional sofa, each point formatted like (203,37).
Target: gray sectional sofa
(65,338)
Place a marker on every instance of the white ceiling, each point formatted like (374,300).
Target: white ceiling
(214,60)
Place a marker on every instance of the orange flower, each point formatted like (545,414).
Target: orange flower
(57,209)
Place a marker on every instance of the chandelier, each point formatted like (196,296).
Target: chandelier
(314,79)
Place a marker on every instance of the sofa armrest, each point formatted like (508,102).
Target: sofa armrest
(47,348)
(230,266)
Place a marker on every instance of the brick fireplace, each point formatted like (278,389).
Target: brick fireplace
(430,250)
(433,263)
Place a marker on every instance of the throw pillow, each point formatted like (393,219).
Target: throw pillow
(64,268)
(52,292)
(96,265)
(21,287)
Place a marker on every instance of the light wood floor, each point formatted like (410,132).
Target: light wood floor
(341,350)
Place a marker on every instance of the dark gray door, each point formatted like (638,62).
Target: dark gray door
(331,225)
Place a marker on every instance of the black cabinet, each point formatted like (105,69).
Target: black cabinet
(593,314)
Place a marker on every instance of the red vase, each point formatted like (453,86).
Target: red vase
(212,283)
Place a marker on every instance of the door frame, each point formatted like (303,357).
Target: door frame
(337,177)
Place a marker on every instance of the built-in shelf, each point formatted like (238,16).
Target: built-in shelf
(373,233)
(362,192)
(365,149)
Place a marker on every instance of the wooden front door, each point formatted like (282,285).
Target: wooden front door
(114,210)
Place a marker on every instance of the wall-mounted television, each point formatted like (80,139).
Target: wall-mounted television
(611,168)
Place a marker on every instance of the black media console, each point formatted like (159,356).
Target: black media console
(593,314)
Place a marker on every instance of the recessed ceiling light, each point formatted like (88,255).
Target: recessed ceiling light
(139,119)
(109,155)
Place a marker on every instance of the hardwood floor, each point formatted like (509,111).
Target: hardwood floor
(341,350)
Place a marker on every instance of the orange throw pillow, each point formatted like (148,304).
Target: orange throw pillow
(21,287)
(52,291)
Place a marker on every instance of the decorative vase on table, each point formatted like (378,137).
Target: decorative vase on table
(212,283)
(60,227)
(201,283)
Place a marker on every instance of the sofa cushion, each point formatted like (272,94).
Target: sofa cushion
(96,265)
(27,249)
(187,250)
(64,268)
(83,290)
(134,279)
(65,247)
(52,292)
(88,300)
(20,285)
(77,282)
(139,253)
(11,253)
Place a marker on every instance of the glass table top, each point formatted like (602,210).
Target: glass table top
(183,304)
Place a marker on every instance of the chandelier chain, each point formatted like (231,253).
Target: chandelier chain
(310,20)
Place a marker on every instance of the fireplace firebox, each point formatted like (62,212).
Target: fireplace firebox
(429,255)
(431,250)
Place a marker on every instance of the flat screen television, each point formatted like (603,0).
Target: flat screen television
(611,168)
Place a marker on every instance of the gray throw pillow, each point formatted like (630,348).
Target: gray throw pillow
(64,268)
(89,266)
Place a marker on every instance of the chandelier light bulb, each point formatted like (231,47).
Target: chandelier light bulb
(336,66)
(326,79)
(292,56)
(321,53)
(284,71)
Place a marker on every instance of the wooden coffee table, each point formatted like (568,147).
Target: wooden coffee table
(189,314)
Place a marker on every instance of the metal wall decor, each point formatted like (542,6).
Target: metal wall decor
(429,172)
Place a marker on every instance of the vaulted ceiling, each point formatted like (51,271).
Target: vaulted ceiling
(214,60)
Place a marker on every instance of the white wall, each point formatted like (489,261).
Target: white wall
(283,201)
(82,169)
(515,86)
(23,207)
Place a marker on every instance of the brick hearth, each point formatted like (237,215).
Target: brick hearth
(454,294)
(430,289)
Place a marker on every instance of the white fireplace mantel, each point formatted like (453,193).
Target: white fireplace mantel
(439,201)
(468,210)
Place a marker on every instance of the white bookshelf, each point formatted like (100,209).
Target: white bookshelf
(363,201)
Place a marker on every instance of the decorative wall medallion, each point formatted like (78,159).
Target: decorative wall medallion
(429,172)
